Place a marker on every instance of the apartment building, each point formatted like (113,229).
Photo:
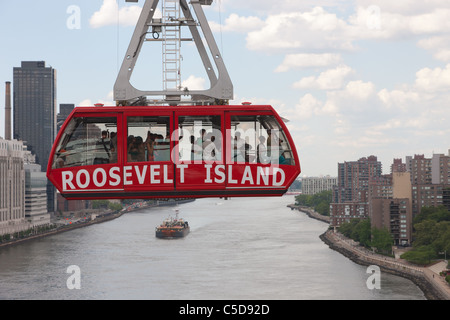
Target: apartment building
(12,187)
(430,177)
(390,201)
(351,195)
(395,215)
(314,185)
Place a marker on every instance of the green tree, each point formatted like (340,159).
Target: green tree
(431,235)
(432,213)
(323,208)
(115,206)
(420,255)
(320,202)
(99,204)
(382,240)
(424,233)
(362,232)
(347,228)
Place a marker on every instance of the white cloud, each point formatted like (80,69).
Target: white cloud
(433,80)
(194,83)
(438,45)
(317,29)
(300,30)
(307,107)
(399,99)
(235,23)
(106,101)
(328,80)
(308,60)
(110,14)
(359,90)
(405,7)
(85,103)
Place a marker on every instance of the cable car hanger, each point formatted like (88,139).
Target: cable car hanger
(221,87)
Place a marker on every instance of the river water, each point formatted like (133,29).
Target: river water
(238,249)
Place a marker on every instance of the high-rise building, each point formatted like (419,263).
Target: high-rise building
(398,166)
(12,187)
(394,215)
(430,177)
(313,185)
(440,169)
(390,202)
(64,111)
(351,195)
(36,195)
(353,179)
(34,112)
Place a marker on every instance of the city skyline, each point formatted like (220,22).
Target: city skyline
(358,79)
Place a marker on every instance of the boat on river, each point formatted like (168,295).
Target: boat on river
(173,228)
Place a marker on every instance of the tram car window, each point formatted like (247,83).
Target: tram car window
(87,141)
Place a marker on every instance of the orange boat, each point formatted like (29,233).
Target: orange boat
(173,228)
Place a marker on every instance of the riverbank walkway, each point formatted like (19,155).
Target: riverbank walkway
(431,273)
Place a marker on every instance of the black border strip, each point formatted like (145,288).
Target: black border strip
(174,194)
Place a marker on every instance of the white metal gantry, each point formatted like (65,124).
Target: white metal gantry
(175,15)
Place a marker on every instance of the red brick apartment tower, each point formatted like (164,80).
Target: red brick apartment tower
(351,196)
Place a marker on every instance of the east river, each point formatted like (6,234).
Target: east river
(238,249)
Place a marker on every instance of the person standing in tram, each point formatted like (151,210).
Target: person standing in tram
(149,144)
(201,139)
(102,158)
(141,149)
(209,148)
(238,147)
(196,150)
(113,147)
(61,160)
(274,147)
(262,151)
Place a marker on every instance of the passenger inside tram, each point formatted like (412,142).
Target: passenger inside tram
(155,147)
(209,148)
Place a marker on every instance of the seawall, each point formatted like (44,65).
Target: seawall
(422,277)
(310,213)
(416,274)
(62,229)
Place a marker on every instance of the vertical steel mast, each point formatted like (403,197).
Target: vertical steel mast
(169,26)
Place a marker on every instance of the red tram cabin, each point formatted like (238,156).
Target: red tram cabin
(173,152)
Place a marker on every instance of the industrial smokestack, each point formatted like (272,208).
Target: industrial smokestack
(8,111)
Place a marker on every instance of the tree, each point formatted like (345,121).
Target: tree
(347,228)
(424,234)
(97,204)
(437,214)
(382,240)
(420,255)
(431,235)
(320,202)
(323,208)
(362,232)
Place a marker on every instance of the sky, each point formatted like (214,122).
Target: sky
(354,78)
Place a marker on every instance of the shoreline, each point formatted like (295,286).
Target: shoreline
(62,229)
(433,287)
(100,219)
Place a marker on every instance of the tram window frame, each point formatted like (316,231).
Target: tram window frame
(264,125)
(91,151)
(153,122)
